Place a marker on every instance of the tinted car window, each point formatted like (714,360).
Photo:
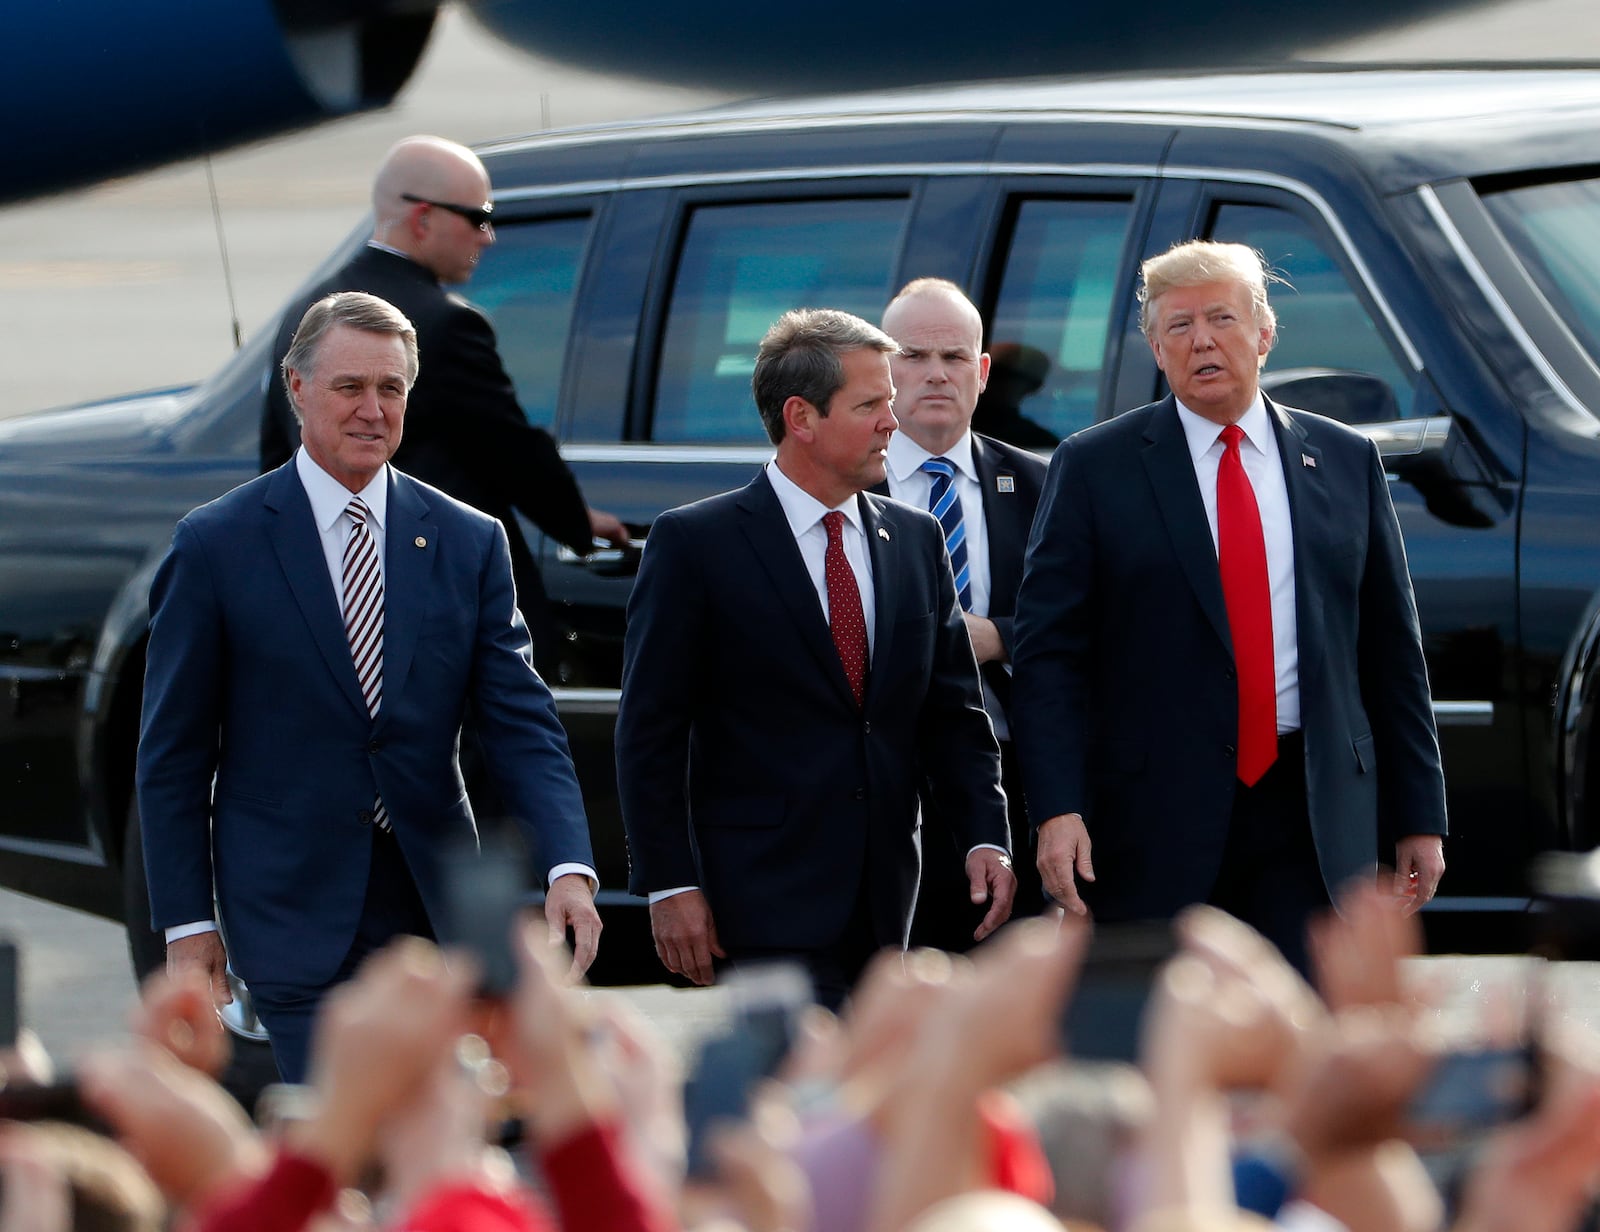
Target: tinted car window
(1322,321)
(527,283)
(1048,343)
(742,267)
(1555,231)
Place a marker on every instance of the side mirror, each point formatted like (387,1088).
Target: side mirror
(1339,393)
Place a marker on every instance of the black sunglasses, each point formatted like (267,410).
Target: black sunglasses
(480,216)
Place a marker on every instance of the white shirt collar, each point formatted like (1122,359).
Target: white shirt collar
(804,510)
(1203,433)
(906,457)
(329,498)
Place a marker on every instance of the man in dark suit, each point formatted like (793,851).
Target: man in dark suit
(796,666)
(465,432)
(1219,669)
(984,493)
(316,636)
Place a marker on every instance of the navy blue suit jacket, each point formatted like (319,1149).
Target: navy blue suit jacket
(249,677)
(1125,705)
(743,763)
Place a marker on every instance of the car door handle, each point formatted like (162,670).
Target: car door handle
(606,558)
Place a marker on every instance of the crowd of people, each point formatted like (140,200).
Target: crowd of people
(943,1098)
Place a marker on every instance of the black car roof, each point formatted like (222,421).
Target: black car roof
(1447,120)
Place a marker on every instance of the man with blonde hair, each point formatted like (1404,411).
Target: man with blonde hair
(1220,688)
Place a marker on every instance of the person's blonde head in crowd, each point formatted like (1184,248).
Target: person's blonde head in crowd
(986,1210)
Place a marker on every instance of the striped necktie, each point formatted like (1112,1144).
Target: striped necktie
(363,617)
(946,506)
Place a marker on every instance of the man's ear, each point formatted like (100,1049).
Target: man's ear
(799,418)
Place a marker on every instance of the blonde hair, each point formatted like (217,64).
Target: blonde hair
(1200,261)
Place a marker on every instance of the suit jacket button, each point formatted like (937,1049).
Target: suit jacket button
(1229,751)
(866,728)
(374,747)
(860,793)
(365,817)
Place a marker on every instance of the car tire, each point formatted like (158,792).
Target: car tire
(251,1068)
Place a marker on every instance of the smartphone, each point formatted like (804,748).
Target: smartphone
(1102,1017)
(56,1101)
(1470,1091)
(10,994)
(767,1001)
(484,891)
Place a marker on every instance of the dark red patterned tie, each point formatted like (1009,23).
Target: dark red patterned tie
(845,620)
(1242,557)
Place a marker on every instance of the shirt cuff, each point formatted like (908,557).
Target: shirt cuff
(179,931)
(583,870)
(657,895)
(991,847)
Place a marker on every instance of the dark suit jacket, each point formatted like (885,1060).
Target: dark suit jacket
(249,677)
(1007,519)
(1125,702)
(744,766)
(465,433)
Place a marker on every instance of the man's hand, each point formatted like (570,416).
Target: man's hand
(986,643)
(608,526)
(686,935)
(202,953)
(1064,856)
(991,880)
(569,903)
(1418,866)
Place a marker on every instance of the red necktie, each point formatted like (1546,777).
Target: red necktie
(1242,557)
(845,621)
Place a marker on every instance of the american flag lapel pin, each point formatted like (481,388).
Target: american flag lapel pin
(1307,460)
(1005,483)
(883,534)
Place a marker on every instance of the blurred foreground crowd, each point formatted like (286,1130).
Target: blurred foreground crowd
(943,1099)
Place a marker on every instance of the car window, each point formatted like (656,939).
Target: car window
(1555,232)
(1047,346)
(741,268)
(527,283)
(1322,322)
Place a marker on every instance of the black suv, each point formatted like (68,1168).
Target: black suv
(1439,231)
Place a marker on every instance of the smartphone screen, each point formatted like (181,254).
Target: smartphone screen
(484,892)
(1469,1092)
(767,1001)
(10,995)
(1102,1017)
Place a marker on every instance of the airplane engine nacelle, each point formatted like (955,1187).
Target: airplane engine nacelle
(103,87)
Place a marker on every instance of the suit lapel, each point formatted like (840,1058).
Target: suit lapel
(767,529)
(1005,525)
(298,545)
(410,548)
(885,553)
(1311,518)
(1171,473)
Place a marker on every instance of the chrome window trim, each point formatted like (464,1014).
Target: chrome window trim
(644,451)
(1497,302)
(1463,714)
(586,701)
(1260,179)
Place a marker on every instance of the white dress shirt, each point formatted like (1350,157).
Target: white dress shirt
(329,499)
(908,482)
(1264,467)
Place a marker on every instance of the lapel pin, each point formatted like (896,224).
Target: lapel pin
(1307,460)
(420,542)
(883,534)
(1005,483)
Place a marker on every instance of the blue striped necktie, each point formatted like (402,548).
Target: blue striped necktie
(946,506)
